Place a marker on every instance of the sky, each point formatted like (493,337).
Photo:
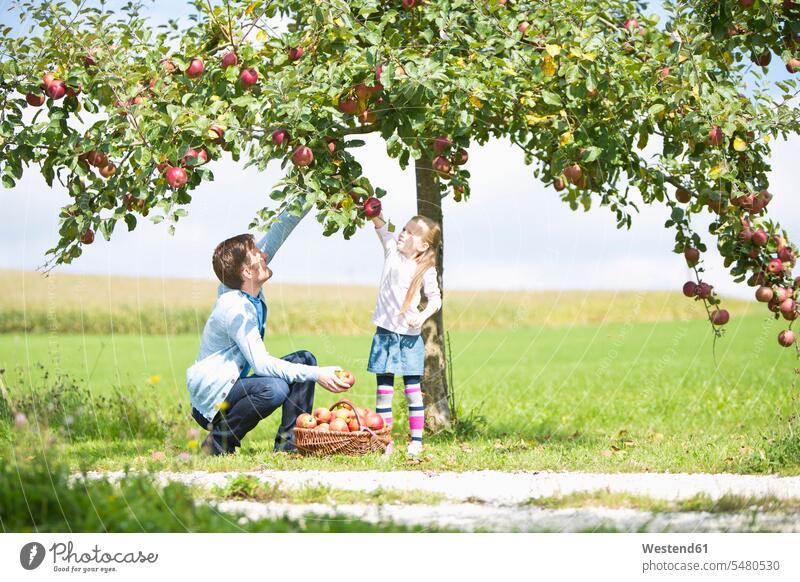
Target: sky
(513,234)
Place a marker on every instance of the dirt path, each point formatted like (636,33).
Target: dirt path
(499,501)
(513,488)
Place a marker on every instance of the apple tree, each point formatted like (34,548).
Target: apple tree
(129,117)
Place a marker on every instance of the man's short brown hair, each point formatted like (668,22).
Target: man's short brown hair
(230,257)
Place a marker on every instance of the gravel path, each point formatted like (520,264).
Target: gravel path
(470,517)
(496,501)
(498,487)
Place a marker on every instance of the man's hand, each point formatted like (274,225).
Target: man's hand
(330,381)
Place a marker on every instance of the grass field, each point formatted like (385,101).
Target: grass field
(623,396)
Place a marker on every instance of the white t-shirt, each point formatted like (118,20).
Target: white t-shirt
(398,271)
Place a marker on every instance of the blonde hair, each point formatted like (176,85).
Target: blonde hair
(426,259)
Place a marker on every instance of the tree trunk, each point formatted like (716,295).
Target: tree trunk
(434,382)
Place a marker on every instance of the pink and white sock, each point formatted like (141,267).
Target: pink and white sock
(416,409)
(383,397)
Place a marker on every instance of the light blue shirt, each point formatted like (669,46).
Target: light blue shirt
(232,338)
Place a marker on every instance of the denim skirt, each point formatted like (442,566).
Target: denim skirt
(395,353)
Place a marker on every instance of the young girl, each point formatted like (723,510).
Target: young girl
(397,347)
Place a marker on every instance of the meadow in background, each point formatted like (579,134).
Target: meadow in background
(573,380)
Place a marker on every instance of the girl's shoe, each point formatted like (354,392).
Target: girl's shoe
(414,448)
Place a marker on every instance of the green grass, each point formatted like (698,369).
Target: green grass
(37,496)
(249,487)
(604,397)
(697,503)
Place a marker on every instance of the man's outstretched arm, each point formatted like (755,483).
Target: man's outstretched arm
(275,236)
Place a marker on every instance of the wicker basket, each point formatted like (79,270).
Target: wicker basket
(314,442)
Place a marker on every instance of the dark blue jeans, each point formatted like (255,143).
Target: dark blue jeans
(253,399)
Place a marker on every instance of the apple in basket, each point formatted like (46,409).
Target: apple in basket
(375,421)
(344,413)
(323,427)
(323,415)
(363,412)
(353,425)
(339,425)
(305,420)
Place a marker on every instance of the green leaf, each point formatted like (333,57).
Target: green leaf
(130,220)
(551,98)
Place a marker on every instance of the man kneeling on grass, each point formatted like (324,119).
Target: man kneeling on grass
(225,400)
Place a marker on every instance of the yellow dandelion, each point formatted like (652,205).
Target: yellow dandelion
(154,379)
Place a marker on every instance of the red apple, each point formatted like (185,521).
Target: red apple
(692,256)
(201,156)
(760,237)
(97,159)
(664,72)
(715,136)
(195,68)
(786,255)
(442,166)
(35,100)
(339,425)
(775,266)
(347,377)
(56,90)
(409,4)
(573,173)
(793,65)
(461,157)
(349,106)
(764,294)
(354,425)
(781,294)
(176,177)
(323,427)
(558,184)
(372,207)
(683,195)
(631,23)
(87,237)
(745,235)
(305,420)
(786,338)
(248,77)
(363,412)
(367,116)
(322,414)
(331,145)
(302,156)
(690,288)
(295,53)
(704,290)
(524,26)
(229,60)
(441,143)
(375,421)
(108,171)
(215,133)
(746,3)
(279,136)
(47,78)
(720,317)
(763,59)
